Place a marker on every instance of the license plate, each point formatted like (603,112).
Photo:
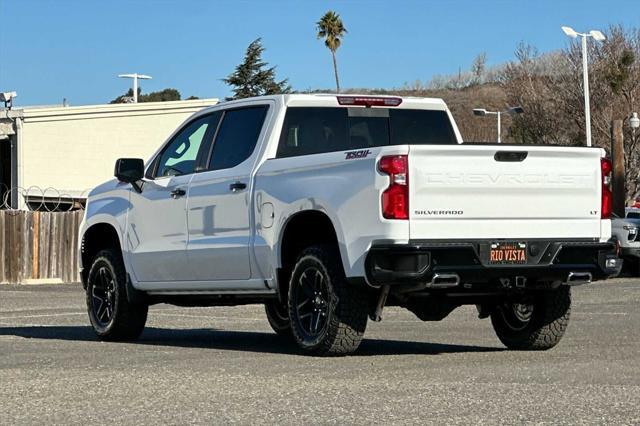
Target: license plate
(508,253)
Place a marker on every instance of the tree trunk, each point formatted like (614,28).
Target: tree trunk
(617,154)
(335,71)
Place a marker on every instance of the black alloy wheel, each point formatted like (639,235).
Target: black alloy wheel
(112,315)
(311,302)
(537,322)
(328,315)
(103,296)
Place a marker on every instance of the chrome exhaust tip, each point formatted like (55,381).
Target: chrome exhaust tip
(578,278)
(444,281)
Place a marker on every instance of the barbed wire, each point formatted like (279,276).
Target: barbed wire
(34,198)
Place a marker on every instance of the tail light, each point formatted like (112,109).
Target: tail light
(395,199)
(606,207)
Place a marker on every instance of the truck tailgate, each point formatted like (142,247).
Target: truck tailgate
(503,192)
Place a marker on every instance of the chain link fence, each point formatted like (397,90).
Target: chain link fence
(35,198)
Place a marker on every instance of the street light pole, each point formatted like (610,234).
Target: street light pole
(513,110)
(596,35)
(135,77)
(585,77)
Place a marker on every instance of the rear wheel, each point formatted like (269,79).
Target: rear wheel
(328,315)
(112,316)
(278,317)
(537,323)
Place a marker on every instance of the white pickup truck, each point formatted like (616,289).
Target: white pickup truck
(327,208)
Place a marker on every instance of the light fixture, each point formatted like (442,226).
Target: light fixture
(596,35)
(135,77)
(570,32)
(511,110)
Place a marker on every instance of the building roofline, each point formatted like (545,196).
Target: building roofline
(60,111)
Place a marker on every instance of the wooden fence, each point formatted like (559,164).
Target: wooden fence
(39,246)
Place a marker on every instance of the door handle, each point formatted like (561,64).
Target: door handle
(237,186)
(178,192)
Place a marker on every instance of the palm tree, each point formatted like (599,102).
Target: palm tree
(330,28)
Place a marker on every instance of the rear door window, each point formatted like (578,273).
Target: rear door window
(237,136)
(312,131)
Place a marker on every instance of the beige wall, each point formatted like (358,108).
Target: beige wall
(73,149)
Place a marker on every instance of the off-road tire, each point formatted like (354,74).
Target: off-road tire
(347,307)
(548,322)
(278,317)
(127,320)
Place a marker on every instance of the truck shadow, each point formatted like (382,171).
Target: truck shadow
(247,341)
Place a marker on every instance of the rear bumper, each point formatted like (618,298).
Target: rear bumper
(548,260)
(630,251)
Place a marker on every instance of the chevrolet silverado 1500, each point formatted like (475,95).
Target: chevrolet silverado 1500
(327,208)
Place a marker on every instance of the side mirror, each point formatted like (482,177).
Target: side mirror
(130,170)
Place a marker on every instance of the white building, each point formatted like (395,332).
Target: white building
(72,149)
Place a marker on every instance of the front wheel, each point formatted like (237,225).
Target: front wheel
(328,315)
(110,313)
(537,323)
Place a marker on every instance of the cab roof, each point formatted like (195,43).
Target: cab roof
(340,100)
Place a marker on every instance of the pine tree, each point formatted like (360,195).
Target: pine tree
(253,77)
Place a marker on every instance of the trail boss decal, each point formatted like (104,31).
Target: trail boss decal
(363,153)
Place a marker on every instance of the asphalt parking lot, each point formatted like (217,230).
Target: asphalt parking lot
(225,365)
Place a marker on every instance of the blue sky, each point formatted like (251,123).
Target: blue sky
(75,49)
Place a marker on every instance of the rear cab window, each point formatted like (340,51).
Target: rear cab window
(314,130)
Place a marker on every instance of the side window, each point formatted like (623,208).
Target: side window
(180,155)
(312,131)
(237,136)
